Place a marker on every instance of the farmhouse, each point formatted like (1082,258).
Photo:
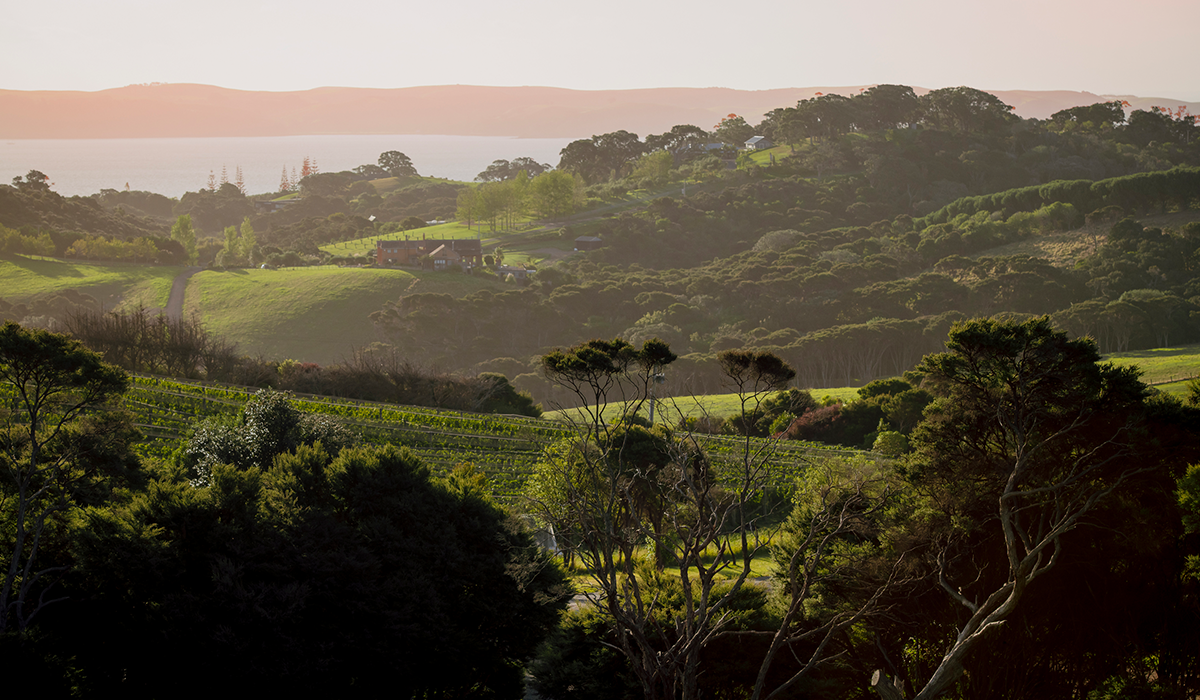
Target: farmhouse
(466,251)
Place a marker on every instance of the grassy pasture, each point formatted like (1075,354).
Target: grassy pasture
(1163,367)
(316,314)
(763,157)
(115,286)
(448,230)
(761,565)
(309,314)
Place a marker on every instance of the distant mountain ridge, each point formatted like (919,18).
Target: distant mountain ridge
(185,110)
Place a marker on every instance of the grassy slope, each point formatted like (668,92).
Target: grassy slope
(1168,369)
(115,286)
(367,245)
(308,314)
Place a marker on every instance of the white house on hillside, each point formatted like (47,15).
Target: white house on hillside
(758,143)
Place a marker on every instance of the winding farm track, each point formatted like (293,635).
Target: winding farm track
(178,287)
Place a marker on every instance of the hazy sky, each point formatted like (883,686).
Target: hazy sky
(1100,46)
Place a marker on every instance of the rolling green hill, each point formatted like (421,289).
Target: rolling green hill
(309,314)
(115,286)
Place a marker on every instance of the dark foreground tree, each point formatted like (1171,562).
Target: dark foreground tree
(59,449)
(348,576)
(1030,437)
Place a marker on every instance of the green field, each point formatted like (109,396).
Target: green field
(1163,366)
(360,246)
(115,286)
(311,314)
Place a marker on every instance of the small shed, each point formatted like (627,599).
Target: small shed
(519,273)
(758,143)
(588,243)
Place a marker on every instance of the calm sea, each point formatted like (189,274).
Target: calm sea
(174,166)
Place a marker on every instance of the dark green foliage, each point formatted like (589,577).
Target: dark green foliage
(61,448)
(883,387)
(602,157)
(397,164)
(212,211)
(1034,446)
(348,576)
(45,210)
(268,426)
(579,660)
(504,398)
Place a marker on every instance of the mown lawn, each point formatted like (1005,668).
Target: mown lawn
(114,286)
(309,314)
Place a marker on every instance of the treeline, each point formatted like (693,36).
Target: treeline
(1138,192)
(33,208)
(780,260)
(72,244)
(498,203)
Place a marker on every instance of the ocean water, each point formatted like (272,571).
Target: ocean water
(177,165)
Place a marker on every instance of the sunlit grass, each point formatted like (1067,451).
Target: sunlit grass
(763,157)
(310,314)
(114,286)
(360,246)
(1167,366)
(316,315)
(671,409)
(761,563)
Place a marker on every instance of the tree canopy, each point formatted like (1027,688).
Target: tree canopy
(396,164)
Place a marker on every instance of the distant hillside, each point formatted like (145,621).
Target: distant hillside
(179,110)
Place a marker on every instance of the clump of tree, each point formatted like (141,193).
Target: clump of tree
(269,546)
(241,246)
(141,341)
(501,170)
(64,446)
(500,203)
(619,485)
(1028,545)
